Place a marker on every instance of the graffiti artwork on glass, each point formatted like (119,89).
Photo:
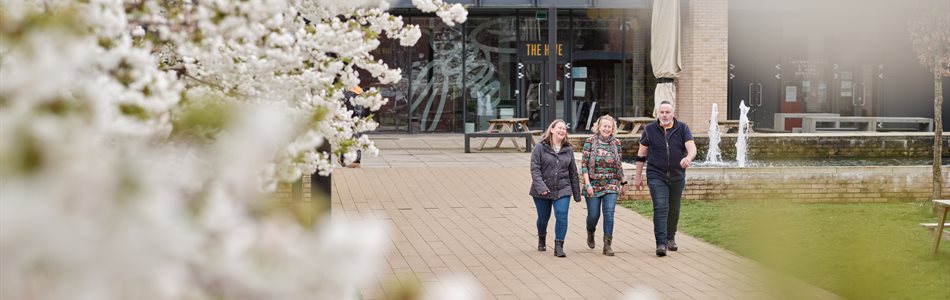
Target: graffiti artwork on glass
(437,82)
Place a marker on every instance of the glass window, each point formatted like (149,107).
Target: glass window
(598,48)
(393,115)
(455,82)
(507,3)
(408,3)
(564,3)
(490,55)
(636,49)
(436,78)
(647,4)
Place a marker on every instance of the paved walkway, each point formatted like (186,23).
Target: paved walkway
(469,214)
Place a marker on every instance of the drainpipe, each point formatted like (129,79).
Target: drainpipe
(552,64)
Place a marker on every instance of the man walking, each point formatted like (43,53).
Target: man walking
(667,147)
(358,111)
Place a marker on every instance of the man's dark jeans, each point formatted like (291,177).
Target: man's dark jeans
(667,198)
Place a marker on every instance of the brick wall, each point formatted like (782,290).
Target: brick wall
(284,191)
(705,55)
(794,145)
(812,184)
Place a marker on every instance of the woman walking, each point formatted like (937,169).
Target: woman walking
(603,179)
(553,182)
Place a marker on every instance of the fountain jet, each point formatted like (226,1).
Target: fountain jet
(743,130)
(713,155)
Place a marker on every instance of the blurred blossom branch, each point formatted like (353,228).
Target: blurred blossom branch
(138,138)
(930,34)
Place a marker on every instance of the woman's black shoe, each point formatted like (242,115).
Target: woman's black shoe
(559,248)
(590,239)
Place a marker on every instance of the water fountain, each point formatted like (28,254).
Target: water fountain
(808,167)
(713,152)
(743,132)
(713,155)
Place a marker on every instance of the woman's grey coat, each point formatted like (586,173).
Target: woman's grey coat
(554,172)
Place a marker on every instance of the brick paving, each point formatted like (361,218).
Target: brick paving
(454,213)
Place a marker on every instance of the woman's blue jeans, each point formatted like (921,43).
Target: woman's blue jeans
(608,202)
(667,198)
(560,215)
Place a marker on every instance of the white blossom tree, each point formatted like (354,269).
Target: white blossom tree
(138,139)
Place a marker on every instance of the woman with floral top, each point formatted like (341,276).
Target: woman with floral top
(603,178)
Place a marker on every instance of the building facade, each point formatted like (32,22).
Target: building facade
(776,56)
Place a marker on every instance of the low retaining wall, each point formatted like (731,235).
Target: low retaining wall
(808,184)
(806,145)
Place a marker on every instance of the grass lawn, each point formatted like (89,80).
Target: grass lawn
(856,250)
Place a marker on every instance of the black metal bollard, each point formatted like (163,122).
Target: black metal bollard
(320,187)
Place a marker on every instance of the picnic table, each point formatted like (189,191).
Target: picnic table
(509,125)
(942,206)
(638,123)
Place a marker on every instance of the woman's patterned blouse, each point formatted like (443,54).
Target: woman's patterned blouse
(600,159)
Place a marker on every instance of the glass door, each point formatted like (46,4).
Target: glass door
(756,71)
(562,108)
(544,102)
(859,91)
(533,92)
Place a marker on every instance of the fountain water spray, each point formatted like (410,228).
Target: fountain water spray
(713,155)
(743,130)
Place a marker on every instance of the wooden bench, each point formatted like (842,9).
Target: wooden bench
(637,123)
(534,133)
(796,120)
(841,129)
(871,124)
(932,227)
(896,128)
(816,124)
(904,124)
(941,206)
(515,125)
(527,135)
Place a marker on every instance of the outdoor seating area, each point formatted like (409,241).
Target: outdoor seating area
(811,124)
(833,122)
(509,128)
(636,124)
(512,136)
